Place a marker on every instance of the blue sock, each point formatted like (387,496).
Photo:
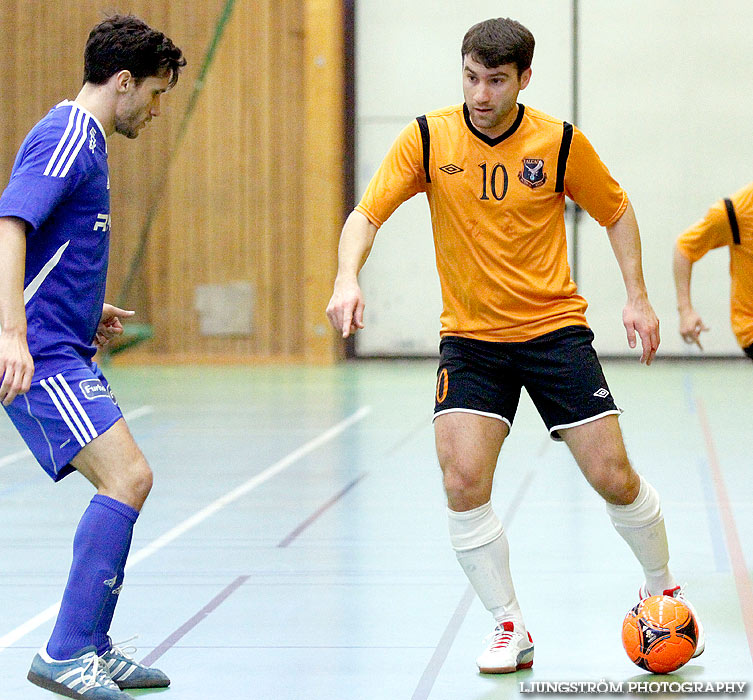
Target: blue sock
(100,547)
(101,638)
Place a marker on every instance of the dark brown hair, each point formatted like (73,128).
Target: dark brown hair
(496,42)
(124,42)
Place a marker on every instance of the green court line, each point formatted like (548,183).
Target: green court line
(198,86)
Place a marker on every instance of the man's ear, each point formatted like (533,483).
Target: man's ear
(123,80)
(525,78)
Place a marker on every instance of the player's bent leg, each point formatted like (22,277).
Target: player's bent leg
(115,466)
(99,546)
(633,505)
(468,447)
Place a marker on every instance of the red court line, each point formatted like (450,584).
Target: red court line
(200,616)
(433,668)
(429,676)
(320,511)
(737,558)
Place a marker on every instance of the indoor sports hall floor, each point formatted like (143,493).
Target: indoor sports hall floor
(294,546)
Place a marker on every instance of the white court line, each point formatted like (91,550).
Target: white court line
(13,458)
(138,412)
(21,631)
(23,454)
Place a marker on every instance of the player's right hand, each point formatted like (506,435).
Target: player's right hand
(16,366)
(345,308)
(691,327)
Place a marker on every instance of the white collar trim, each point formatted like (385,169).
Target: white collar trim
(85,111)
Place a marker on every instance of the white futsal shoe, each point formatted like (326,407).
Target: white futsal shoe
(510,650)
(677,592)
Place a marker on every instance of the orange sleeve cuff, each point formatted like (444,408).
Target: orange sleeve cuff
(373,219)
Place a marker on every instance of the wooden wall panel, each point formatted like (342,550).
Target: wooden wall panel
(324,144)
(234,205)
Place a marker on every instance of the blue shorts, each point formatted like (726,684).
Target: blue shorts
(62,413)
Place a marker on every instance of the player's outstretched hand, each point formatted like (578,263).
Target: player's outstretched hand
(639,319)
(109,324)
(345,308)
(691,327)
(16,366)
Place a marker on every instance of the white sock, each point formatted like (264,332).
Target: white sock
(481,547)
(641,525)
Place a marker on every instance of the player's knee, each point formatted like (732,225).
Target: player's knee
(464,487)
(616,481)
(144,480)
(138,481)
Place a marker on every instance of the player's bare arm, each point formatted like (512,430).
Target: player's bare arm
(110,325)
(345,308)
(16,365)
(691,324)
(638,315)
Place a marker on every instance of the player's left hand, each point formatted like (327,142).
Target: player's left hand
(639,318)
(109,324)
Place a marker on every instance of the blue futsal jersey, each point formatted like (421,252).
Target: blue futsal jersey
(60,186)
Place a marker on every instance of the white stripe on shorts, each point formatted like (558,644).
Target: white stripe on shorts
(67,404)
(62,412)
(79,407)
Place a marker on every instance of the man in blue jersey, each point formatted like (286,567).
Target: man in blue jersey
(54,242)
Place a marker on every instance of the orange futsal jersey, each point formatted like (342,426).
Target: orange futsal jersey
(497,211)
(729,223)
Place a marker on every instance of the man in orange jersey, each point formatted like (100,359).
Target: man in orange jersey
(728,223)
(496,174)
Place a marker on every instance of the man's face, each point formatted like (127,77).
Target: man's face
(139,104)
(491,94)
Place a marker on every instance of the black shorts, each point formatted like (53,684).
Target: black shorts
(559,370)
(749,351)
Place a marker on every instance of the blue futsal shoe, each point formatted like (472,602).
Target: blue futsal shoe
(83,677)
(126,672)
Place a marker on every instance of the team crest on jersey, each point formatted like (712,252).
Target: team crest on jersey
(533,173)
(451,169)
(92,140)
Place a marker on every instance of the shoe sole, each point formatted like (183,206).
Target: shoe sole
(507,669)
(700,648)
(54,686)
(136,686)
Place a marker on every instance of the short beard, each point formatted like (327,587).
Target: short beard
(125,129)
